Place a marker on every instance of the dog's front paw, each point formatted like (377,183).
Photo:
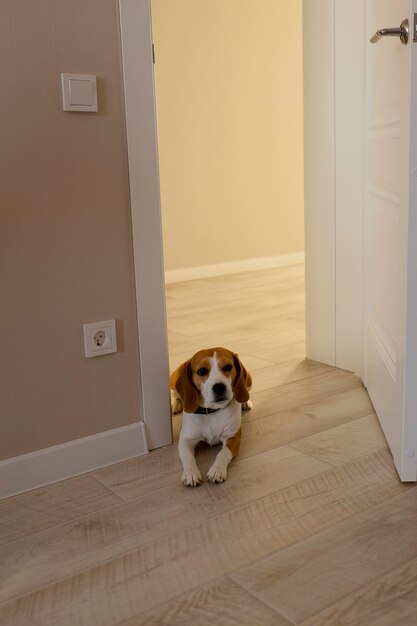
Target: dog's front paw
(217,474)
(191,478)
(176,406)
(246,406)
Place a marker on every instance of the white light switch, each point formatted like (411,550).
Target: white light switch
(79,92)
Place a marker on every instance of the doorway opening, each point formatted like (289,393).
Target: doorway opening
(333,195)
(229,105)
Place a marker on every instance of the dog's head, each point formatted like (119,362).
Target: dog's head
(211,378)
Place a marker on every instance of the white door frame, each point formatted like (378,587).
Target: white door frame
(333,128)
(135,26)
(334,114)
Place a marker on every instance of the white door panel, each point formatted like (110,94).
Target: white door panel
(391,198)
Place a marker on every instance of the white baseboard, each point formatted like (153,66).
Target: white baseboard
(235,267)
(50,465)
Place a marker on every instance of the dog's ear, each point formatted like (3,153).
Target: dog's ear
(181,381)
(242,382)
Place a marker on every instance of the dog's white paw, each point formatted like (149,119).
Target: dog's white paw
(246,406)
(217,474)
(191,478)
(176,406)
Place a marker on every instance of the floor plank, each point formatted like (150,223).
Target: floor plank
(142,578)
(302,580)
(390,600)
(273,376)
(298,393)
(65,549)
(346,442)
(222,602)
(43,508)
(293,425)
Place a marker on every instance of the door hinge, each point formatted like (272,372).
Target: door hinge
(153,53)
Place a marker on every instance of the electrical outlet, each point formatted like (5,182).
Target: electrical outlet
(100,338)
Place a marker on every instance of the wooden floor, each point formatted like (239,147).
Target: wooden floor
(311,528)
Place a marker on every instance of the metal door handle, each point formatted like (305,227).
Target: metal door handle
(401,32)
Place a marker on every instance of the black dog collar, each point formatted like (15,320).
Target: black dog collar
(203,411)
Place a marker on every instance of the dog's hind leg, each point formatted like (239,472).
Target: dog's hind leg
(176,402)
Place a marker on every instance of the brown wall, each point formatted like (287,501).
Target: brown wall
(65,232)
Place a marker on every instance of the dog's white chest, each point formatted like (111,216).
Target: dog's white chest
(213,428)
(212,434)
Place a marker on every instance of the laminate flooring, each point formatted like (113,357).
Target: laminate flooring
(311,528)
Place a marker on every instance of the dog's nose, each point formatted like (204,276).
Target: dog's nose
(219,389)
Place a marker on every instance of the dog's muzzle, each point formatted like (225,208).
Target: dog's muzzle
(219,391)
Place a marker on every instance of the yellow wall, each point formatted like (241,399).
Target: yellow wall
(229,109)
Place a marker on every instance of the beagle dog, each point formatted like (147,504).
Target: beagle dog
(211,389)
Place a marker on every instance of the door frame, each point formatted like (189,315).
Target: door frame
(334,115)
(143,163)
(333,32)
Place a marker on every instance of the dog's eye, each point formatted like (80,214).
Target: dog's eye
(202,371)
(227,368)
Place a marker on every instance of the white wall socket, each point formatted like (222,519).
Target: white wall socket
(100,338)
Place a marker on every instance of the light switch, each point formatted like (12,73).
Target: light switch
(79,92)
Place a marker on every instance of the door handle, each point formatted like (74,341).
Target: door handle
(401,32)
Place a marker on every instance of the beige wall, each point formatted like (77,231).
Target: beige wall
(229,108)
(65,232)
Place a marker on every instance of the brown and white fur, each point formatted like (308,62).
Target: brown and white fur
(215,380)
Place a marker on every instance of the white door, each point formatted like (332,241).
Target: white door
(391,231)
